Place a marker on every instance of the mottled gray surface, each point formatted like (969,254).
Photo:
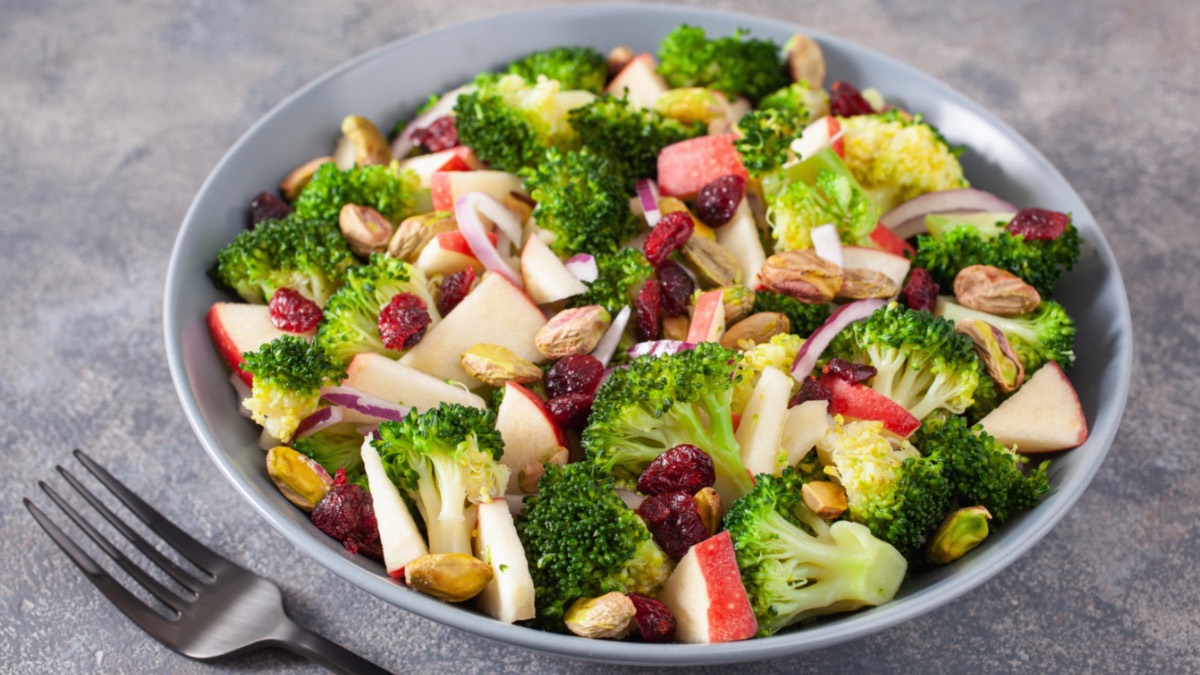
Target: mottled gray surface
(112,113)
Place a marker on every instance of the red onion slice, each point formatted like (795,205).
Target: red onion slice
(908,219)
(659,347)
(612,337)
(827,244)
(647,193)
(321,419)
(471,226)
(583,267)
(505,220)
(364,403)
(816,343)
(632,499)
(403,143)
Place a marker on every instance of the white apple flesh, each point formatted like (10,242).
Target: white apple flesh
(890,265)
(508,597)
(803,427)
(399,537)
(237,328)
(392,381)
(706,596)
(639,81)
(1044,415)
(740,236)
(761,429)
(435,260)
(546,278)
(528,432)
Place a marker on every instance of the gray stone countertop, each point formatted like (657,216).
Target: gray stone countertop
(112,113)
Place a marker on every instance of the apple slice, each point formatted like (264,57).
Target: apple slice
(448,186)
(804,425)
(435,259)
(889,241)
(399,537)
(706,596)
(237,328)
(390,380)
(687,166)
(529,434)
(864,403)
(508,597)
(890,265)
(740,236)
(1044,415)
(708,319)
(818,135)
(454,159)
(496,312)
(761,428)
(639,81)
(546,278)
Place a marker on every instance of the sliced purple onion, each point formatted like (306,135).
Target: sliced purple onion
(364,403)
(323,418)
(632,499)
(827,244)
(370,432)
(908,219)
(471,226)
(659,348)
(583,267)
(816,343)
(516,504)
(403,143)
(647,192)
(612,337)
(503,217)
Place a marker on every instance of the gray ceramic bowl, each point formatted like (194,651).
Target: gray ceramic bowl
(391,81)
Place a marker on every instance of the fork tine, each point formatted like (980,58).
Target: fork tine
(185,578)
(164,594)
(141,614)
(200,555)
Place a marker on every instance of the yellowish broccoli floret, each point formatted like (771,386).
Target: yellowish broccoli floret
(779,353)
(897,159)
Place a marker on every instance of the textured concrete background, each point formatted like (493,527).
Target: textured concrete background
(113,112)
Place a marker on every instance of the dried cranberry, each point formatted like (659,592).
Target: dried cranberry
(845,100)
(438,136)
(674,522)
(683,468)
(811,389)
(1039,224)
(453,289)
(677,288)
(920,292)
(347,514)
(574,374)
(654,620)
(266,206)
(293,312)
(854,373)
(570,411)
(647,311)
(403,321)
(672,231)
(717,201)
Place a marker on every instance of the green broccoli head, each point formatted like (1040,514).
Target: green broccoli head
(573,67)
(899,494)
(1045,334)
(619,277)
(288,375)
(1038,262)
(629,137)
(335,447)
(582,541)
(350,324)
(766,135)
(510,122)
(385,188)
(799,98)
(922,363)
(981,471)
(733,64)
(581,201)
(659,402)
(803,317)
(897,159)
(796,566)
(308,256)
(816,191)
(445,459)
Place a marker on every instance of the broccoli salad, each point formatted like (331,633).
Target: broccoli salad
(595,344)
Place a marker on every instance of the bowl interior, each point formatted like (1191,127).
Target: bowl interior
(388,83)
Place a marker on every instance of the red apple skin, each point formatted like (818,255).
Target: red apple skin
(730,616)
(838,144)
(708,306)
(440,191)
(888,241)
(864,403)
(559,434)
(227,347)
(687,166)
(455,241)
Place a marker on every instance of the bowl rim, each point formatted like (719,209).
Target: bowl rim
(1038,521)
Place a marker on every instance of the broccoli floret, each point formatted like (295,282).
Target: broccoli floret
(803,317)
(335,447)
(981,471)
(732,64)
(897,159)
(659,402)
(308,256)
(779,352)
(385,188)
(796,566)
(818,190)
(922,363)
(573,67)
(899,494)
(445,459)
(509,122)
(619,277)
(288,375)
(1039,262)
(581,201)
(1045,334)
(627,136)
(350,324)
(582,541)
(806,103)
(766,136)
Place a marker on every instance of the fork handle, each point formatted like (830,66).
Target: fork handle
(321,650)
